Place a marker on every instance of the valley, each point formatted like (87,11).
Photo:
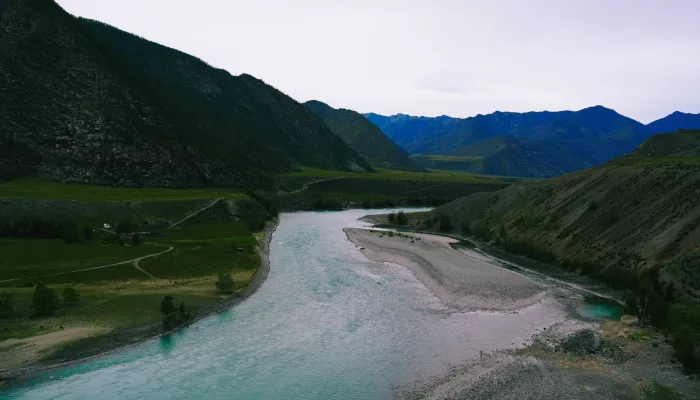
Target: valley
(172,229)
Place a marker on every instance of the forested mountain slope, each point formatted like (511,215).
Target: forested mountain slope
(363,136)
(86,102)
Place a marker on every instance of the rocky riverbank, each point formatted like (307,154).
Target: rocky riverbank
(463,283)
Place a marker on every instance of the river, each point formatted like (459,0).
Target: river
(326,324)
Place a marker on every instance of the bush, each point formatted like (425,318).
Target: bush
(70,295)
(631,303)
(401,218)
(225,283)
(7,305)
(136,239)
(88,233)
(123,227)
(392,218)
(445,224)
(592,205)
(466,227)
(684,350)
(44,301)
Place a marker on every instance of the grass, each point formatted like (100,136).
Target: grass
(24,258)
(122,297)
(657,391)
(447,158)
(634,160)
(391,175)
(40,188)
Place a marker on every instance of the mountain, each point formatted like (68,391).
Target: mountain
(677,120)
(509,156)
(364,137)
(636,213)
(580,138)
(86,102)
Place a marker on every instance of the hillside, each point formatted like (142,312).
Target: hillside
(510,156)
(363,136)
(577,139)
(86,102)
(672,122)
(636,213)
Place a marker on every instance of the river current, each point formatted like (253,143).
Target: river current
(326,324)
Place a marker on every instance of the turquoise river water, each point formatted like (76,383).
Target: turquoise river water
(326,324)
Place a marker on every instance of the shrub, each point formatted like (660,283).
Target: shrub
(445,224)
(45,300)
(88,233)
(592,205)
(7,305)
(401,218)
(70,295)
(136,239)
(225,283)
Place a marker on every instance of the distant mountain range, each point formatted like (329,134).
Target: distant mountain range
(364,137)
(534,144)
(85,102)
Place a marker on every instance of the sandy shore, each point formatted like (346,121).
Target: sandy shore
(124,339)
(461,282)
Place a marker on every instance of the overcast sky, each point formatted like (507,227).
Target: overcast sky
(457,58)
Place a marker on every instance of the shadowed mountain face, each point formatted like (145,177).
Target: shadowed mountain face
(636,212)
(510,156)
(363,136)
(545,143)
(86,102)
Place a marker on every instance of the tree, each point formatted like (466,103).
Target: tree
(136,239)
(45,300)
(123,227)
(183,312)
(445,224)
(167,306)
(88,233)
(181,309)
(466,227)
(392,218)
(401,218)
(684,349)
(502,233)
(631,303)
(225,283)
(70,295)
(7,305)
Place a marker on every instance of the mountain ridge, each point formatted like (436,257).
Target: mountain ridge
(87,102)
(590,136)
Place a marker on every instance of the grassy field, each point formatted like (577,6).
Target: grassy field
(40,188)
(301,190)
(447,158)
(114,294)
(669,161)
(390,175)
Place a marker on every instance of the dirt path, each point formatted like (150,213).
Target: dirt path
(136,264)
(135,261)
(306,185)
(188,216)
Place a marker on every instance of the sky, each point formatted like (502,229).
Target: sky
(439,57)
